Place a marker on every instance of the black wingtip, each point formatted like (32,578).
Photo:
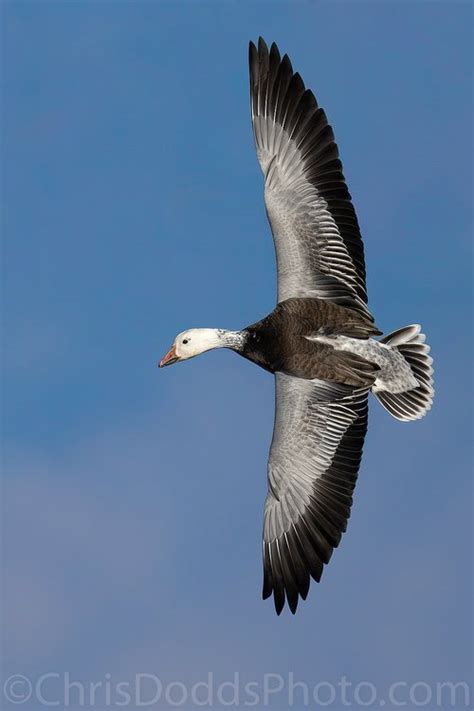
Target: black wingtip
(262,59)
(286,64)
(267,588)
(279,606)
(262,46)
(279,599)
(274,55)
(253,52)
(293,604)
(253,65)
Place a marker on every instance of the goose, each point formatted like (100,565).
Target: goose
(319,341)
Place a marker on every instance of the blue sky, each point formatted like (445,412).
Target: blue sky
(133,209)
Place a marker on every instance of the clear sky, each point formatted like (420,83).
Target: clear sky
(132,210)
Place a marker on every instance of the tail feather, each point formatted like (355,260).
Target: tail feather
(415,403)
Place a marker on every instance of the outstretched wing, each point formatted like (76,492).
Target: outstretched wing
(317,239)
(314,460)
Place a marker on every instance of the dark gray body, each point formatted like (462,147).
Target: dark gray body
(281,342)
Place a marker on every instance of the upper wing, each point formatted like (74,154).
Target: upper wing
(314,460)
(317,238)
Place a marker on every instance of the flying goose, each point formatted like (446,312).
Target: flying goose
(319,340)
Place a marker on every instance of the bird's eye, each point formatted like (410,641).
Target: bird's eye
(185,341)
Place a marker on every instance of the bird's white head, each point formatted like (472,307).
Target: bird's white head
(198,340)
